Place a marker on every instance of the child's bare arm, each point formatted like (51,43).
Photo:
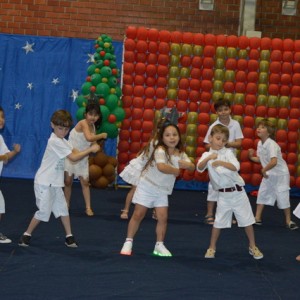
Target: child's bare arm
(251,156)
(89,136)
(227,165)
(186,165)
(167,169)
(202,164)
(9,155)
(78,155)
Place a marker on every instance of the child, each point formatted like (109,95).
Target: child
(275,184)
(132,172)
(81,137)
(156,183)
(297,214)
(223,169)
(223,110)
(5,155)
(49,178)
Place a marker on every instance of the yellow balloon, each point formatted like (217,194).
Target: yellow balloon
(191,130)
(192,117)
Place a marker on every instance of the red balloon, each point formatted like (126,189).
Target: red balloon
(250,99)
(182,105)
(141,46)
(188,37)
(161,92)
(123,146)
(151,70)
(128,68)
(277,44)
(249,121)
(150,81)
(138,102)
(244,155)
(208,62)
(273,89)
(252,77)
(163,48)
(182,94)
(184,83)
(291,158)
(131,32)
(153,47)
(165,36)
(139,79)
(127,90)
(135,135)
(292,136)
(248,132)
(287,67)
(265,43)
(148,115)
(209,51)
(210,39)
(125,122)
(149,92)
(247,143)
(272,112)
(207,74)
(256,179)
(281,135)
(196,73)
(147,126)
(232,41)
(243,42)
(261,111)
(136,124)
(196,62)
(135,147)
(242,64)
(161,82)
(149,103)
(153,34)
(193,106)
(140,68)
(195,84)
(127,79)
(274,78)
(206,85)
(203,118)
(231,64)
(295,102)
(146,136)
(246,167)
(276,55)
(287,56)
(249,111)
(162,70)
(283,113)
(185,61)
(292,148)
(296,79)
(199,39)
(142,33)
(152,58)
(141,57)
(240,87)
(160,103)
(138,91)
(293,125)
(221,40)
(253,65)
(129,45)
(176,37)
(194,96)
(122,157)
(137,113)
(251,88)
(228,87)
(288,45)
(254,54)
(124,135)
(204,107)
(254,43)
(295,91)
(205,96)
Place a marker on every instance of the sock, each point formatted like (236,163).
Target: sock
(26,233)
(129,240)
(159,243)
(69,235)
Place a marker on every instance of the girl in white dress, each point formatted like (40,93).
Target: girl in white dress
(81,137)
(155,184)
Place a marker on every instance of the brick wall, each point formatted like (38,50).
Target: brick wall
(88,19)
(272,23)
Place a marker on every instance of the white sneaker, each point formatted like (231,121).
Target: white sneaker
(127,248)
(161,250)
(4,239)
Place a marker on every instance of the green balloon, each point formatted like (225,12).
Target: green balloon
(105,112)
(111,101)
(110,129)
(105,72)
(102,89)
(80,113)
(81,101)
(85,88)
(118,91)
(97,56)
(99,64)
(119,112)
(113,64)
(112,81)
(96,79)
(91,69)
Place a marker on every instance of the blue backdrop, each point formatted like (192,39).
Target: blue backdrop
(39,75)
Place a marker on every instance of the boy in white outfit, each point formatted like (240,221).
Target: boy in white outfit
(275,185)
(223,169)
(223,110)
(49,179)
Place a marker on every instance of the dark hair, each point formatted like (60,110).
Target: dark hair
(94,107)
(1,109)
(62,118)
(160,143)
(270,127)
(220,129)
(221,102)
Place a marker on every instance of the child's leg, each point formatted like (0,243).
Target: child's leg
(32,225)
(67,224)
(259,211)
(134,223)
(287,214)
(210,212)
(162,221)
(215,233)
(85,186)
(250,235)
(125,210)
(68,188)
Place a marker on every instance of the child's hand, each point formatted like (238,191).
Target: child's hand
(217,163)
(103,135)
(251,152)
(182,164)
(213,156)
(95,147)
(264,173)
(17,148)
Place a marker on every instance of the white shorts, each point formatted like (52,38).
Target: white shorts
(275,188)
(212,195)
(2,204)
(233,202)
(149,196)
(50,199)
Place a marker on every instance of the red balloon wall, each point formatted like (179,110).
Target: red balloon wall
(261,78)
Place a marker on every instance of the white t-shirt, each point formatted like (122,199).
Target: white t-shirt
(51,171)
(235,131)
(3,150)
(268,150)
(161,181)
(221,177)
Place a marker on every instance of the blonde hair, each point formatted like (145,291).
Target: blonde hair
(220,129)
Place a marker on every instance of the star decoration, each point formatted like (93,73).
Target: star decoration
(55,81)
(18,106)
(30,85)
(28,47)
(74,95)
(91,58)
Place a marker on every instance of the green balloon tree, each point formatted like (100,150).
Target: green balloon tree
(103,81)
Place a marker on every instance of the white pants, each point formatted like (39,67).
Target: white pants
(50,199)
(212,195)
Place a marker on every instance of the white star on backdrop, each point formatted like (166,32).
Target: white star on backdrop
(55,81)
(91,58)
(74,95)
(18,105)
(28,47)
(30,85)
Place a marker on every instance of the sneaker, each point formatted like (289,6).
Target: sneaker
(70,242)
(292,226)
(255,252)
(127,248)
(4,239)
(161,250)
(24,240)
(210,253)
